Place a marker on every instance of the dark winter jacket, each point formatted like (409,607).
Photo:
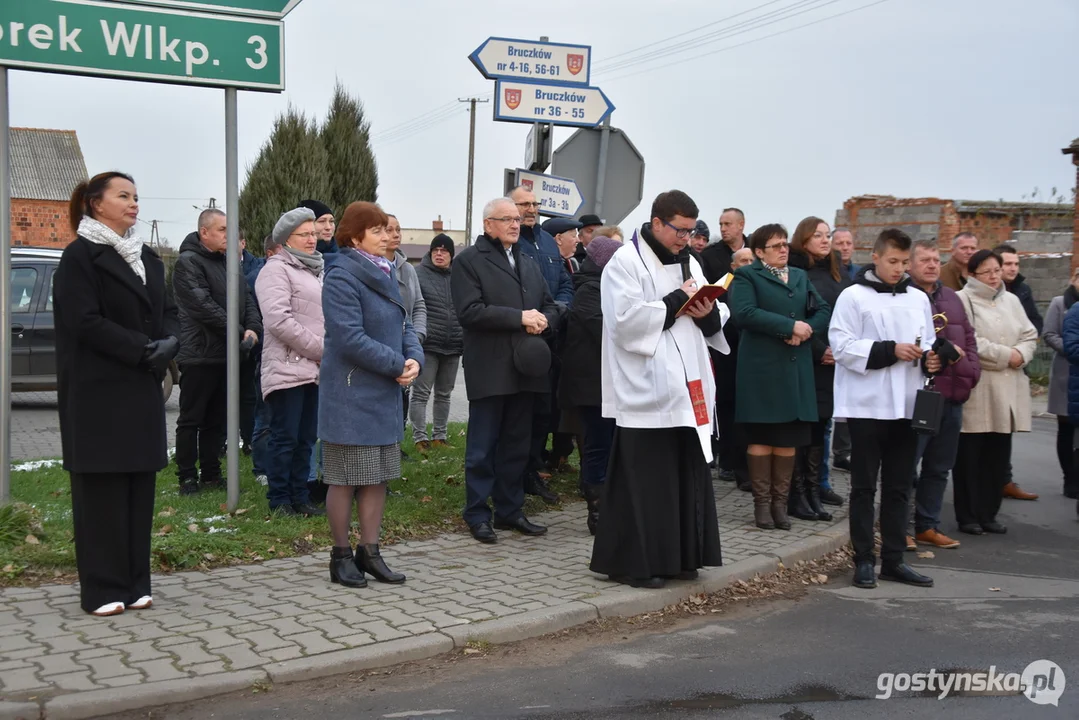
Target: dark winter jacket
(199,283)
(112,412)
(1021,290)
(444,334)
(580,384)
(327,247)
(820,276)
(716,259)
(489,297)
(539,245)
(1070,334)
(956,381)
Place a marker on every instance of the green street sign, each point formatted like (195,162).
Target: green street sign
(112,39)
(275,9)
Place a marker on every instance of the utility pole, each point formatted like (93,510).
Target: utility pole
(471,162)
(213,204)
(155,235)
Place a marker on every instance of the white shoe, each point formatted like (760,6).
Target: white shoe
(109,609)
(262,480)
(142,603)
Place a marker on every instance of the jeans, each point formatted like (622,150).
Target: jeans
(260,435)
(440,374)
(885,448)
(598,437)
(293,430)
(496,453)
(937,454)
(200,429)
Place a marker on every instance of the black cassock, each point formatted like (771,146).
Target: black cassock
(658,512)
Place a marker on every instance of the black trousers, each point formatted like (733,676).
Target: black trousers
(496,452)
(201,426)
(886,448)
(1065,452)
(982,469)
(249,366)
(113,515)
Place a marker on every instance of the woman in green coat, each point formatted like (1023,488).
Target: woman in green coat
(778,311)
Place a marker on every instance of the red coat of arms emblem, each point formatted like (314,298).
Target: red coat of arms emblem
(574,63)
(527,185)
(513,98)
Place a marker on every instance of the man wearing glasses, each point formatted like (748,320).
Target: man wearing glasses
(538,244)
(505,310)
(658,520)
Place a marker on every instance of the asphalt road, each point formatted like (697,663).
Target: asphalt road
(998,601)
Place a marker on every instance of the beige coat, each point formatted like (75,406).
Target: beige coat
(1000,402)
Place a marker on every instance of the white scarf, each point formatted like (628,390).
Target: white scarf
(129,246)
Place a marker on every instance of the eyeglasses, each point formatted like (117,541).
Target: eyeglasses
(680,232)
(528,204)
(307,235)
(776,246)
(510,220)
(994,271)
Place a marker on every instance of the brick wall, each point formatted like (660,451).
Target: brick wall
(40,223)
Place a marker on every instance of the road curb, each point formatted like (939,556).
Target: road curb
(105,703)
(534,623)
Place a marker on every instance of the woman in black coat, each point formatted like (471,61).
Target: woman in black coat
(581,379)
(116,331)
(811,251)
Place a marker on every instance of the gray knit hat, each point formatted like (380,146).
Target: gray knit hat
(289,222)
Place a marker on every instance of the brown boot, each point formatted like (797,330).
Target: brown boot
(782,468)
(760,475)
(1012,490)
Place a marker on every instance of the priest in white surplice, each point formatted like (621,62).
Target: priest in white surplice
(658,514)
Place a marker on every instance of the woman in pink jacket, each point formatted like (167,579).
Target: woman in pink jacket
(289,289)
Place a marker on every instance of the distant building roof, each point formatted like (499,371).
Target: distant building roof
(45,164)
(1007,207)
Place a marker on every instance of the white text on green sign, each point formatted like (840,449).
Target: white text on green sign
(117,40)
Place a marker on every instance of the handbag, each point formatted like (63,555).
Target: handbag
(928,409)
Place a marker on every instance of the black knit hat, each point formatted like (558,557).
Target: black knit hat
(317,207)
(444,241)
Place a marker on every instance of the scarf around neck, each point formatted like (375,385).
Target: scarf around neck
(782,273)
(383,264)
(311,261)
(129,246)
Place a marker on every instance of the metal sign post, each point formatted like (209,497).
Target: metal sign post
(5,292)
(232,325)
(601,168)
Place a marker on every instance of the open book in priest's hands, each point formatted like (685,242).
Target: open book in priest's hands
(712,291)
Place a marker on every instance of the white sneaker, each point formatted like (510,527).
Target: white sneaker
(262,480)
(142,603)
(109,609)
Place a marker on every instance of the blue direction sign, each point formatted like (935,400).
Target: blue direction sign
(507,59)
(553,103)
(557,196)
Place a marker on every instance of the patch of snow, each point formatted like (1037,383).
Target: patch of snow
(216,530)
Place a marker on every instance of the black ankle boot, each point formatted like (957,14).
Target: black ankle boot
(797,506)
(369,560)
(591,495)
(814,458)
(343,570)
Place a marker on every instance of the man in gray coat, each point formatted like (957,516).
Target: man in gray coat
(411,296)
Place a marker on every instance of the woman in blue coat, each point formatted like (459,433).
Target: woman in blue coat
(370,353)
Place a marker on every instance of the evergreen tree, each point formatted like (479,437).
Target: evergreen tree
(352,171)
(291,167)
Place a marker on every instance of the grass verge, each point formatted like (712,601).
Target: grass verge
(37,537)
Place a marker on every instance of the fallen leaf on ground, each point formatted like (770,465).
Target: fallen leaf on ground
(10,567)
(223,507)
(241,511)
(209,556)
(167,512)
(425,499)
(32,540)
(165,530)
(926,555)
(471,651)
(193,527)
(994,589)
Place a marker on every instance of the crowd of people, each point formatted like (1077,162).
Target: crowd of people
(661,357)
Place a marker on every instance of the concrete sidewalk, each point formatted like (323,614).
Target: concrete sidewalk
(282,620)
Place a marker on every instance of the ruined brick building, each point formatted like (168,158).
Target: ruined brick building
(46,165)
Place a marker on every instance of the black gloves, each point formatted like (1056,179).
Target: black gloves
(247,345)
(158,354)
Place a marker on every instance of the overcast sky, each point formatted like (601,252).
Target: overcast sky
(968,99)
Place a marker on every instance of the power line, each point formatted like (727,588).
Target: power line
(770,18)
(747,42)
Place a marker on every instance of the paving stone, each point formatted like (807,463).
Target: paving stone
(190,654)
(163,669)
(240,657)
(20,679)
